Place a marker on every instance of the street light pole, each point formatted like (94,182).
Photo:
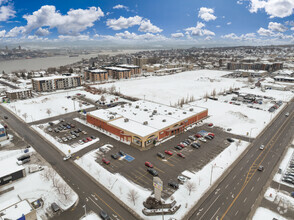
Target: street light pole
(84,206)
(211,173)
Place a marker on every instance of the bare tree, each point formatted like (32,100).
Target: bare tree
(190,186)
(48,111)
(48,174)
(65,191)
(112,89)
(213,93)
(102,98)
(133,196)
(25,115)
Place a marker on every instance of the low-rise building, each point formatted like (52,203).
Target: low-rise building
(142,123)
(3,134)
(118,72)
(10,171)
(252,73)
(284,79)
(135,70)
(21,210)
(96,75)
(19,94)
(52,83)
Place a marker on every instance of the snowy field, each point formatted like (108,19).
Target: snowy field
(263,213)
(45,106)
(120,186)
(65,148)
(41,188)
(91,216)
(174,87)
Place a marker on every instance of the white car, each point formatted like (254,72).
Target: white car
(261,147)
(182,179)
(202,139)
(81,142)
(67,157)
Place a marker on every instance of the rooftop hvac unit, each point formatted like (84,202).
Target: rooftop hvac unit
(137,106)
(145,109)
(126,120)
(191,109)
(154,111)
(145,123)
(169,113)
(111,117)
(122,106)
(130,104)
(184,112)
(163,120)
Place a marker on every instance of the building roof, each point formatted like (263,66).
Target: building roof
(128,66)
(284,77)
(1,126)
(18,90)
(137,113)
(16,210)
(98,71)
(116,68)
(251,71)
(54,77)
(9,166)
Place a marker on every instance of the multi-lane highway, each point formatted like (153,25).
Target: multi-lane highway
(90,194)
(235,195)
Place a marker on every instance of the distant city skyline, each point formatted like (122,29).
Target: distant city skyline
(231,22)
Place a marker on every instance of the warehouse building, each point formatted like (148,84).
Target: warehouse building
(142,123)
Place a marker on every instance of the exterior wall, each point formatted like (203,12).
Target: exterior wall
(19,95)
(3,134)
(145,141)
(14,176)
(55,84)
(32,215)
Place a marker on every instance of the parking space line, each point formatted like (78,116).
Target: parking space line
(159,169)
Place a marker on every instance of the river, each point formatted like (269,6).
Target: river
(56,61)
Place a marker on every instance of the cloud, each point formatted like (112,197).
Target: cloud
(72,23)
(198,31)
(74,38)
(42,32)
(274,26)
(121,7)
(146,26)
(123,23)
(2,33)
(134,36)
(242,37)
(206,14)
(292,28)
(264,32)
(6,12)
(177,35)
(229,23)
(274,8)
(15,31)
(218,26)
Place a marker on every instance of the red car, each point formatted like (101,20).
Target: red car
(148,164)
(211,134)
(198,135)
(181,155)
(105,161)
(85,140)
(89,139)
(168,152)
(210,124)
(181,145)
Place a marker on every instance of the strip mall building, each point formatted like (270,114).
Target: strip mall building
(142,122)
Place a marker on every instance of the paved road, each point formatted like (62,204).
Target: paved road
(88,191)
(8,84)
(235,196)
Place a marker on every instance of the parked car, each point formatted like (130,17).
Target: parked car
(121,153)
(55,207)
(173,184)
(161,155)
(152,171)
(20,162)
(230,140)
(181,155)
(93,137)
(85,140)
(84,132)
(73,136)
(210,124)
(104,160)
(104,215)
(192,138)
(208,137)
(168,152)
(148,164)
(195,145)
(188,141)
(178,147)
(211,134)
(5,117)
(202,139)
(198,135)
(114,156)
(181,145)
(182,179)
(89,139)
(72,125)
(81,142)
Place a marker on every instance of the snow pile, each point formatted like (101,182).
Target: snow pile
(91,216)
(263,213)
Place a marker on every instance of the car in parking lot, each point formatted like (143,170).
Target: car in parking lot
(195,145)
(178,147)
(85,140)
(114,156)
(93,137)
(67,157)
(64,139)
(152,171)
(198,135)
(182,179)
(5,117)
(84,132)
(211,134)
(192,138)
(81,142)
(50,129)
(168,152)
(72,125)
(148,164)
(208,137)
(161,155)
(173,184)
(261,147)
(181,155)
(230,140)
(210,124)
(202,139)
(121,153)
(89,139)
(187,141)
(104,160)
(69,137)
(181,145)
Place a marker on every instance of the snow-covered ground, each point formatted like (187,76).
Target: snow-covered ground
(263,213)
(120,186)
(65,148)
(283,166)
(32,187)
(174,87)
(108,97)
(91,216)
(45,106)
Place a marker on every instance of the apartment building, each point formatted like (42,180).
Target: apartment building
(47,84)
(96,75)
(118,72)
(19,94)
(255,66)
(135,70)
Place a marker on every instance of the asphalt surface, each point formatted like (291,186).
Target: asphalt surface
(235,195)
(90,194)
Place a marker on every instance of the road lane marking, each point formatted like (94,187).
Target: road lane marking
(236,213)
(258,179)
(252,189)
(241,168)
(95,203)
(109,206)
(209,207)
(226,186)
(234,177)
(245,200)
(214,213)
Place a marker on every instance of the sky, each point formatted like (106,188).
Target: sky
(186,21)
